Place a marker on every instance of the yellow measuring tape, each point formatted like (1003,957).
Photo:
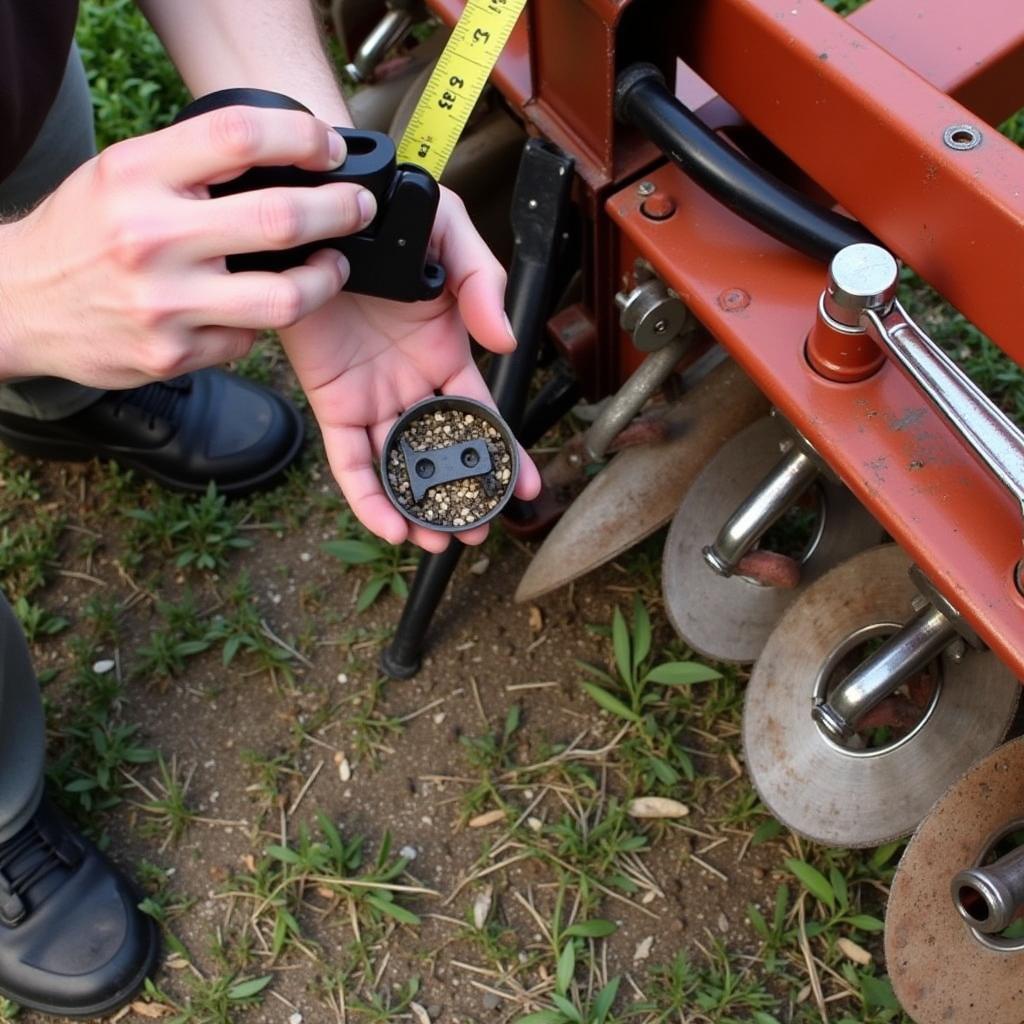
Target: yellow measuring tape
(458,79)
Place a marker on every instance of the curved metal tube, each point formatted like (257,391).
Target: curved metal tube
(765,506)
(620,409)
(927,634)
(387,33)
(644,101)
(990,898)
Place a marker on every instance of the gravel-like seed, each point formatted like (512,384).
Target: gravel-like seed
(461,502)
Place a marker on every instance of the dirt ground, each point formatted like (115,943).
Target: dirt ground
(514,827)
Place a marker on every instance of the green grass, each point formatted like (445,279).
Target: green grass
(135,88)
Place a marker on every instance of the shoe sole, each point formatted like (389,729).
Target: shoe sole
(114,1003)
(73,451)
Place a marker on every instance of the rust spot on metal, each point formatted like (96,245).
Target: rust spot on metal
(770,569)
(908,419)
(734,299)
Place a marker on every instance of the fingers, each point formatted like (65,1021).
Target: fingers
(264,300)
(528,485)
(351,460)
(475,277)
(222,144)
(275,218)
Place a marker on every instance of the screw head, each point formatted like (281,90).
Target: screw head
(645,188)
(658,206)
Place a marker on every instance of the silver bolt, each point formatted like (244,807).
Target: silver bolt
(532,204)
(645,188)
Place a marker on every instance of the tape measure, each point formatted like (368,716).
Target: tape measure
(457,81)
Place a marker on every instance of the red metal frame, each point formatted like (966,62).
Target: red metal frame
(869,129)
(879,435)
(860,106)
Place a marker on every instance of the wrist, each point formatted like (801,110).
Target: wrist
(13,332)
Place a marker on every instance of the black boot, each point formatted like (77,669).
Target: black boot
(208,425)
(72,939)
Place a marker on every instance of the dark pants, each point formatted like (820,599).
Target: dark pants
(65,142)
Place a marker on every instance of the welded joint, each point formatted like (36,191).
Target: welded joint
(930,593)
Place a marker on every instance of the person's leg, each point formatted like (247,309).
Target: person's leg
(72,939)
(208,425)
(64,143)
(22,741)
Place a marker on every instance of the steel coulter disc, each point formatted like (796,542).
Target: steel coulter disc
(940,969)
(640,489)
(862,798)
(729,618)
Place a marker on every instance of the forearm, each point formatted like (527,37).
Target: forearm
(265,44)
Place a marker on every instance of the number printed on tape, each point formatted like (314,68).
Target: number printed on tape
(457,81)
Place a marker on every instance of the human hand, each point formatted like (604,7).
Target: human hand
(364,360)
(119,276)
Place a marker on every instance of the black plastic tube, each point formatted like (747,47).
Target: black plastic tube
(643,100)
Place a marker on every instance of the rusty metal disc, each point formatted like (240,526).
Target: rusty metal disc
(640,489)
(941,970)
(729,618)
(843,796)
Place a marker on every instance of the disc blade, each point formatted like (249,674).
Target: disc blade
(640,489)
(863,798)
(940,970)
(730,618)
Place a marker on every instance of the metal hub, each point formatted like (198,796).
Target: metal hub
(943,969)
(838,794)
(730,618)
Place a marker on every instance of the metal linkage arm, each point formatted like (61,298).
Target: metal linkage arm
(862,288)
(985,428)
